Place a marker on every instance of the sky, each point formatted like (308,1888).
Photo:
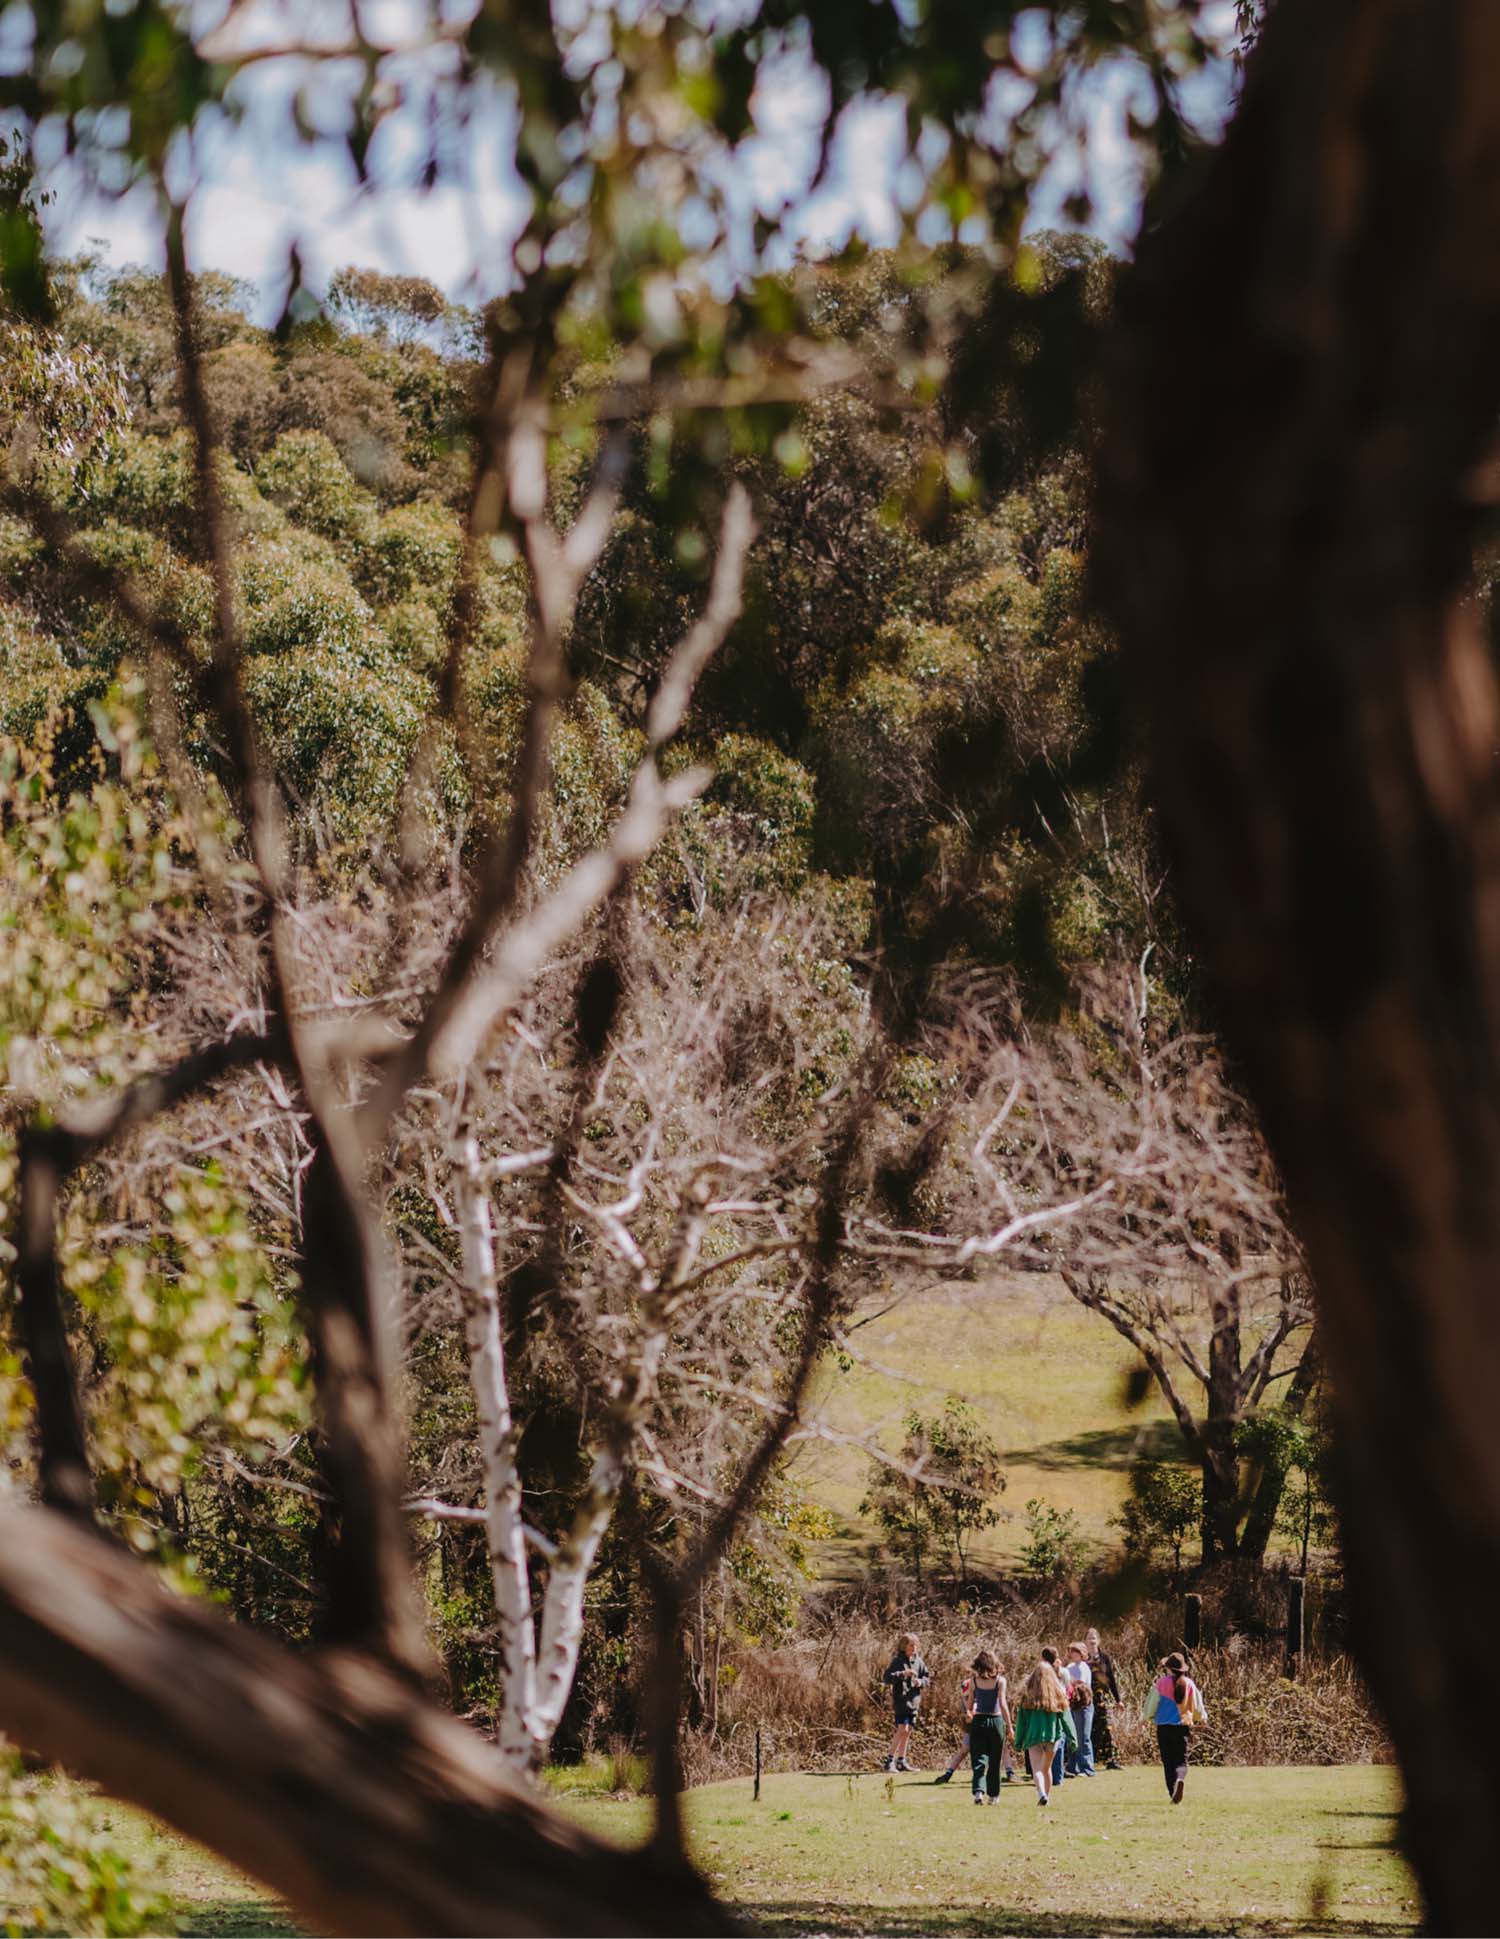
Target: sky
(258,188)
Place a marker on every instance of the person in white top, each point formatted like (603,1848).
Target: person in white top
(1080,1681)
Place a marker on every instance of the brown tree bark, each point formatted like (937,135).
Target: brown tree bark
(1309,375)
(329,1777)
(1265,1502)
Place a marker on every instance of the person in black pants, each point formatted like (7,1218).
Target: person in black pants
(1172,1706)
(987,1723)
(1106,1692)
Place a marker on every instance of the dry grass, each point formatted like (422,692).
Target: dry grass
(819,1704)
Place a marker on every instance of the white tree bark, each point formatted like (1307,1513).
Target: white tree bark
(505,1524)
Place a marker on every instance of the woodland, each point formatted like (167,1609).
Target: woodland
(560,853)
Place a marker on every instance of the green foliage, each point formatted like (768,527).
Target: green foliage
(304,474)
(60,1871)
(337,735)
(942,1493)
(298,597)
(1053,1549)
(1294,1452)
(769,1569)
(1164,1509)
(413,548)
(772,796)
(194,1341)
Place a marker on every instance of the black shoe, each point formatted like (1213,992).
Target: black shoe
(1177,1790)
(943,1777)
(1113,1764)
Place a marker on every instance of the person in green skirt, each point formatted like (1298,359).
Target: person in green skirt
(1042,1723)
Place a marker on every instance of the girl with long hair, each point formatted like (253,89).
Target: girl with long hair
(1042,1722)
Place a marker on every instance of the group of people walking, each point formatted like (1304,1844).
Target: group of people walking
(1061,1723)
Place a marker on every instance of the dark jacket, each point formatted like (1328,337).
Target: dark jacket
(908,1677)
(1105,1686)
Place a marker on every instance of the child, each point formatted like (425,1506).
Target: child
(966,1704)
(988,1721)
(1043,1723)
(960,1756)
(908,1676)
(1174,1704)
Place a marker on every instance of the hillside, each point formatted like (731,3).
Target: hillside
(1047,1378)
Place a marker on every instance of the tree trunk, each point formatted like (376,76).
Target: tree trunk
(1221,1468)
(1308,379)
(1260,1523)
(339,1785)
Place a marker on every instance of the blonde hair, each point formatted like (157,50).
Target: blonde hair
(1044,1690)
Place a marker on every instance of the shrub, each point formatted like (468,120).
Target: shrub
(1164,1508)
(411,547)
(774,799)
(304,474)
(298,598)
(58,1870)
(942,1492)
(1053,1549)
(337,735)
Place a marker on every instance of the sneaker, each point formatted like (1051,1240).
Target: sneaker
(978,1799)
(889,1764)
(943,1777)
(1006,1776)
(1113,1764)
(989,1800)
(1041,1801)
(1177,1790)
(902,1765)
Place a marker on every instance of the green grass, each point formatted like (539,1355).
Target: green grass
(1250,1851)
(1046,1377)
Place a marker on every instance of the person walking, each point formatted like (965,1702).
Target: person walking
(907,1676)
(1106,1693)
(1059,1753)
(960,1756)
(988,1722)
(1080,1681)
(1042,1722)
(1174,1704)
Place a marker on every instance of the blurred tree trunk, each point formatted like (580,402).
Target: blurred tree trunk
(335,1781)
(1308,377)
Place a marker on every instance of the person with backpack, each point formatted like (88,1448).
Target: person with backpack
(1106,1692)
(1174,1704)
(906,1676)
(1042,1722)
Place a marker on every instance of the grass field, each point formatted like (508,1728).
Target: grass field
(1249,1851)
(1046,1377)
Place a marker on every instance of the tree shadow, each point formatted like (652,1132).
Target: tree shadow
(1105,1447)
(787,1918)
(236,1919)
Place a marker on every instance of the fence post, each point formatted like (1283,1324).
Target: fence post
(1296,1597)
(1192,1621)
(757,1764)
